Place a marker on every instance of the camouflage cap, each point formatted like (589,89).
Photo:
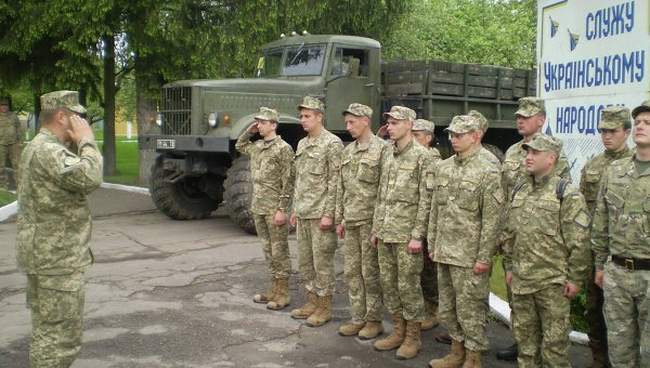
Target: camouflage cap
(463,124)
(312,103)
(64,99)
(644,107)
(529,106)
(267,113)
(615,117)
(423,125)
(482,121)
(4,101)
(543,142)
(401,113)
(358,110)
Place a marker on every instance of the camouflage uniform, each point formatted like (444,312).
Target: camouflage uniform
(317,165)
(465,211)
(272,176)
(612,118)
(401,214)
(429,277)
(10,139)
(545,246)
(620,242)
(355,204)
(54,227)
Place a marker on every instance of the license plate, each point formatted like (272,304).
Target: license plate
(166,143)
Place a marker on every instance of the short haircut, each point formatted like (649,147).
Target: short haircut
(46,116)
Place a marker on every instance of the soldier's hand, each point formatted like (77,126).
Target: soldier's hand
(481,267)
(326,223)
(280,218)
(570,290)
(293,220)
(253,128)
(509,278)
(340,231)
(373,240)
(79,129)
(600,278)
(414,246)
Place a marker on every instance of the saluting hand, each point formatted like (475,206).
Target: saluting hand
(79,129)
(253,128)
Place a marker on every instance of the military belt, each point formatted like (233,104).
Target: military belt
(632,264)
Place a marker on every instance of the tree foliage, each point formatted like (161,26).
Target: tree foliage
(496,32)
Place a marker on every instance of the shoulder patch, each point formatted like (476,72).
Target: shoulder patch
(583,219)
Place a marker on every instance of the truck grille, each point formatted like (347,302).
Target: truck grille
(176,107)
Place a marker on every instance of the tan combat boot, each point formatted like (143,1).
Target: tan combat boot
(281,296)
(351,328)
(431,319)
(306,310)
(371,330)
(454,359)
(323,313)
(412,344)
(396,338)
(266,296)
(472,359)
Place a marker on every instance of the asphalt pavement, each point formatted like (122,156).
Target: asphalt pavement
(167,293)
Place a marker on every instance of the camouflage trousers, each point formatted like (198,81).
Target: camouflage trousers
(362,274)
(541,327)
(400,271)
(9,153)
(274,245)
(627,315)
(596,321)
(56,304)
(429,278)
(316,256)
(463,303)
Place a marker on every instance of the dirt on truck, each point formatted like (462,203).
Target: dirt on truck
(197,168)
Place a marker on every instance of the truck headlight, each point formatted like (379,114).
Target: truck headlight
(213,119)
(159,119)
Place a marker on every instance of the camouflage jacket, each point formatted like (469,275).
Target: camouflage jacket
(465,210)
(9,129)
(621,223)
(272,173)
(54,223)
(593,171)
(359,181)
(404,194)
(513,168)
(490,156)
(434,155)
(317,163)
(546,239)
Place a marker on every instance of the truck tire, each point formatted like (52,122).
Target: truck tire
(182,200)
(238,194)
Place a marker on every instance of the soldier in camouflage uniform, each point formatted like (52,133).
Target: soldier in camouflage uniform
(271,161)
(546,256)
(10,139)
(399,227)
(355,204)
(621,245)
(614,128)
(530,116)
(318,164)
(483,128)
(423,132)
(465,212)
(54,227)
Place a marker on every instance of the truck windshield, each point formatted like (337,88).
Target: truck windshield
(299,60)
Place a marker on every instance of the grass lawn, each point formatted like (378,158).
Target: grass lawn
(6,197)
(128,164)
(498,279)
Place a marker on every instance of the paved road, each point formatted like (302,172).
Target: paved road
(167,293)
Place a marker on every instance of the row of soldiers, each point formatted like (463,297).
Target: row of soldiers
(10,141)
(415,226)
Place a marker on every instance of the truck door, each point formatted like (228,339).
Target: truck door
(349,80)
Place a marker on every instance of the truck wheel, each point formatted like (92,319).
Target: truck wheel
(238,194)
(182,200)
(495,150)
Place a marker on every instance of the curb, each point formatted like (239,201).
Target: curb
(501,310)
(8,210)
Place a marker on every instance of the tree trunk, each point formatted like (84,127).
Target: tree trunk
(109,104)
(146,120)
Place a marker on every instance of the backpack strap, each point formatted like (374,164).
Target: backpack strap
(561,188)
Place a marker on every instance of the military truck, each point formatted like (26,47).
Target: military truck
(197,167)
